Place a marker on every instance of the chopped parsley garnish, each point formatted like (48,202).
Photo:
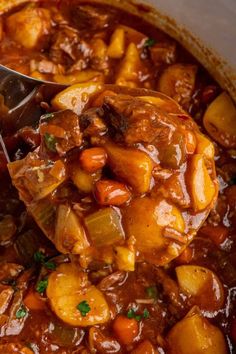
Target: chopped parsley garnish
(42,286)
(83,308)
(138,317)
(21,312)
(151,292)
(50,142)
(39,257)
(149,42)
(49,265)
(146,313)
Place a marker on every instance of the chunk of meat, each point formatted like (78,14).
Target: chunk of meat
(178,81)
(65,45)
(7,230)
(6,293)
(61,131)
(134,120)
(9,271)
(98,342)
(45,66)
(87,16)
(36,178)
(173,187)
(30,27)
(163,53)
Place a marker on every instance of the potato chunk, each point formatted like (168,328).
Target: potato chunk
(75,97)
(145,220)
(6,5)
(195,332)
(202,285)
(205,146)
(67,289)
(131,66)
(201,186)
(117,45)
(29,27)
(220,120)
(177,81)
(131,165)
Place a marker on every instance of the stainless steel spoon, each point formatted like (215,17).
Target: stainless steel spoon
(21,98)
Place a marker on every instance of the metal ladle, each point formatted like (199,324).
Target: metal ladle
(21,97)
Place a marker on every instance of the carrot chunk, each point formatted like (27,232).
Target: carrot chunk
(33,301)
(126,329)
(109,192)
(93,159)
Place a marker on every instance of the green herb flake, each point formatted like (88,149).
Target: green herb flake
(42,286)
(146,313)
(152,292)
(21,312)
(50,142)
(49,265)
(131,313)
(83,308)
(138,317)
(39,257)
(149,42)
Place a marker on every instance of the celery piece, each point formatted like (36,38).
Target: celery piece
(104,227)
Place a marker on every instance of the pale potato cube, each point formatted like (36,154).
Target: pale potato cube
(131,165)
(205,146)
(220,120)
(29,26)
(6,5)
(145,219)
(130,66)
(201,187)
(67,289)
(194,334)
(79,77)
(76,97)
(201,284)
(116,48)
(125,259)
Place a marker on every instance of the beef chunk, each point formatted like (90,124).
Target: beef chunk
(135,121)
(89,17)
(163,53)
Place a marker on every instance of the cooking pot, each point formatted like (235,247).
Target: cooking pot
(205,27)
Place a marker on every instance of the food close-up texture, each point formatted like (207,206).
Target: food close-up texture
(117,206)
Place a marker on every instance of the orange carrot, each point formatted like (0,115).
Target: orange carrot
(145,347)
(109,192)
(93,159)
(126,329)
(33,301)
(186,256)
(217,234)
